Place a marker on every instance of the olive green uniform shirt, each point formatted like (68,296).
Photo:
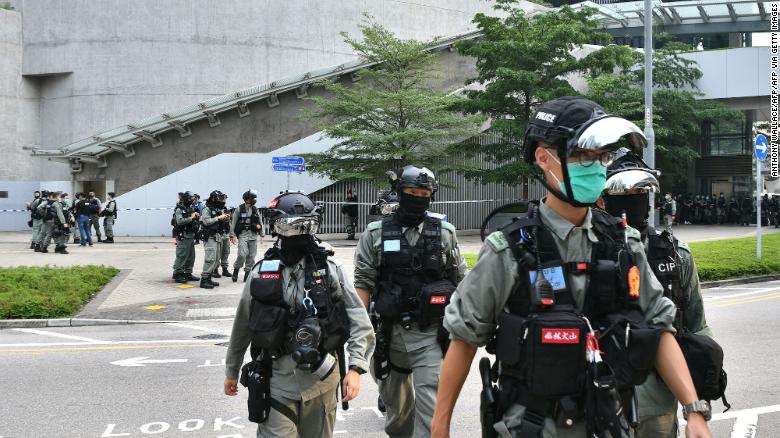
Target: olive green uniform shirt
(654,396)
(368,260)
(182,220)
(288,381)
(473,311)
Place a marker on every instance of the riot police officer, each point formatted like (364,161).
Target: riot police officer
(408,264)
(297,310)
(94,210)
(543,283)
(56,225)
(246,224)
(626,193)
(350,212)
(212,217)
(185,224)
(109,214)
(35,217)
(223,255)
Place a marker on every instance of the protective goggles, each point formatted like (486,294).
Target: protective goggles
(296,226)
(388,208)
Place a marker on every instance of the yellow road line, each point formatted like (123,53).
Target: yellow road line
(99,348)
(747,300)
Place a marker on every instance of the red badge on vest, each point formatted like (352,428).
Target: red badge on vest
(438,299)
(560,336)
(272,275)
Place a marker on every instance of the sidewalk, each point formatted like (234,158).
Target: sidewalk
(144,289)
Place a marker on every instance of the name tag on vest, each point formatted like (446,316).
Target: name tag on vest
(554,275)
(392,245)
(269,266)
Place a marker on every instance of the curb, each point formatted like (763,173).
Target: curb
(736,281)
(86,322)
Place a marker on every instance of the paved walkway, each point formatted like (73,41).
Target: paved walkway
(144,289)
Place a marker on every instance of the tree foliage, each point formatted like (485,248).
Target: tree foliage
(392,116)
(523,60)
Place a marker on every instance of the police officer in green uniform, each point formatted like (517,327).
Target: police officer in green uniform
(212,219)
(298,310)
(224,244)
(538,279)
(37,220)
(94,213)
(186,222)
(408,264)
(246,224)
(629,182)
(56,225)
(109,217)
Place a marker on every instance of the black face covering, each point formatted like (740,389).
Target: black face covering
(637,208)
(411,209)
(294,248)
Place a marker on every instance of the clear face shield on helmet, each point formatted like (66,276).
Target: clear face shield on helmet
(609,132)
(631,182)
(296,226)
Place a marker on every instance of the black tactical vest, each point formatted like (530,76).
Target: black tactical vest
(272,319)
(216,226)
(247,222)
(405,269)
(664,260)
(51,211)
(186,211)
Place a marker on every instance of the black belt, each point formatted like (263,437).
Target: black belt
(537,409)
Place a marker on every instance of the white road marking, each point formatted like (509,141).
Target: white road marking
(57,335)
(211,311)
(197,327)
(72,344)
(736,414)
(745,426)
(143,361)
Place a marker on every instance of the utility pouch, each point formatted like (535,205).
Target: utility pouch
(30,223)
(382,351)
(604,275)
(433,298)
(56,232)
(269,314)
(443,338)
(705,361)
(603,406)
(555,359)
(389,301)
(630,345)
(256,377)
(335,326)
(510,337)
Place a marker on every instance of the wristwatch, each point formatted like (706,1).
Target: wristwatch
(700,406)
(357,369)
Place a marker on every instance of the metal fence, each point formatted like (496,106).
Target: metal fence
(465,202)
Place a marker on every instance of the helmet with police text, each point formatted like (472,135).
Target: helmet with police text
(293,214)
(250,195)
(629,174)
(216,199)
(413,177)
(574,127)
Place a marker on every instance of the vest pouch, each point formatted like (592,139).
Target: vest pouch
(433,298)
(509,339)
(269,325)
(605,276)
(555,354)
(705,361)
(256,377)
(335,327)
(631,359)
(389,301)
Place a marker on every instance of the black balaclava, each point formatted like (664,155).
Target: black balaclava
(637,208)
(294,248)
(411,209)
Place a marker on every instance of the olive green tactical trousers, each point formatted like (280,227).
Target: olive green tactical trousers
(247,251)
(211,250)
(411,398)
(314,418)
(659,426)
(224,251)
(37,229)
(185,256)
(108,224)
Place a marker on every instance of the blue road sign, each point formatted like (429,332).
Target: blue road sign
(287,160)
(289,168)
(762,147)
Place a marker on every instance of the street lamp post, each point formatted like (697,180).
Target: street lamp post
(649,133)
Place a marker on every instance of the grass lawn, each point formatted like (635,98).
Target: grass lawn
(723,259)
(49,292)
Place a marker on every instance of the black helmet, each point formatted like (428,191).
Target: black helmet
(629,173)
(413,177)
(217,199)
(45,193)
(388,203)
(293,214)
(249,194)
(186,198)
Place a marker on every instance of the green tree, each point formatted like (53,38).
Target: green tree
(523,60)
(678,111)
(392,117)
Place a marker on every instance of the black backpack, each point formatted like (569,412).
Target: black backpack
(705,362)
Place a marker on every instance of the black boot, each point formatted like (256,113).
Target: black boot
(179,278)
(109,240)
(38,247)
(206,283)
(380,404)
(235,275)
(32,246)
(191,277)
(225,272)
(215,274)
(44,250)
(61,250)
(246,275)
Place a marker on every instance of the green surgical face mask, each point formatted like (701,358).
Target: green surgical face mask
(587,180)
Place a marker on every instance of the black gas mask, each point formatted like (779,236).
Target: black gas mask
(306,343)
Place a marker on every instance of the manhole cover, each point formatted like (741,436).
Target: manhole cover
(211,336)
